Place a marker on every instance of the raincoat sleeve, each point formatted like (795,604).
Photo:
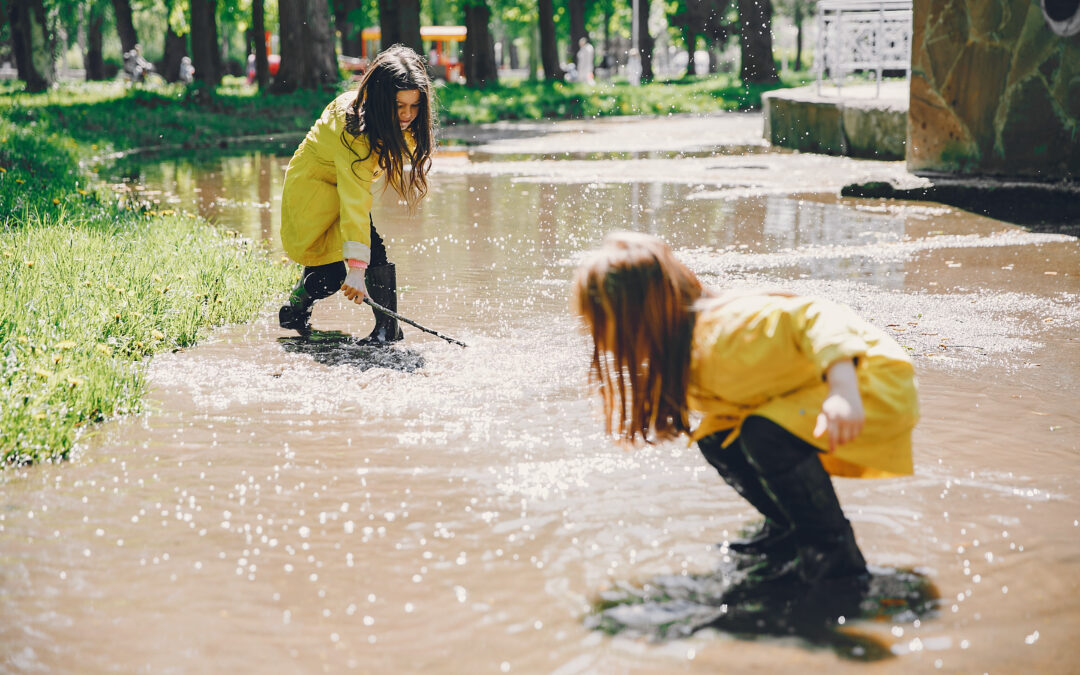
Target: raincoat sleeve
(827,332)
(354,180)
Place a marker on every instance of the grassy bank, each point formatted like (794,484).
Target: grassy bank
(105,117)
(539,100)
(91,286)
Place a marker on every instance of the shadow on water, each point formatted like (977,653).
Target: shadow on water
(670,607)
(334,348)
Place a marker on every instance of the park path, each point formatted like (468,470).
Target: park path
(317,506)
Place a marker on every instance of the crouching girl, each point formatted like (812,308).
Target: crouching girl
(385,127)
(790,390)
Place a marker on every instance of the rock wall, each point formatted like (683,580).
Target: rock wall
(993,91)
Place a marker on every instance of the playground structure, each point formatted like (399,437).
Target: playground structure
(444,55)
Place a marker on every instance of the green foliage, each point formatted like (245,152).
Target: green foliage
(110,116)
(537,100)
(91,286)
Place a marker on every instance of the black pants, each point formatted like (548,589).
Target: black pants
(769,447)
(322,281)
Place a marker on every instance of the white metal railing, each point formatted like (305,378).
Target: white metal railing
(862,35)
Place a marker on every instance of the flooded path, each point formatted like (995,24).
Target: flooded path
(289,506)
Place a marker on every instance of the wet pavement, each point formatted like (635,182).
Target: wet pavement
(318,506)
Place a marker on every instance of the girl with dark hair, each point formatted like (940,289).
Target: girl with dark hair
(789,389)
(385,127)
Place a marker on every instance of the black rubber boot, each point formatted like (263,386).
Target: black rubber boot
(823,537)
(382,287)
(731,463)
(296,313)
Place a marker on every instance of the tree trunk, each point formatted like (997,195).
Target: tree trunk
(175,49)
(549,50)
(755,30)
(409,17)
(125,27)
(479,49)
(691,50)
(33,48)
(645,40)
(308,59)
(95,56)
(258,27)
(577,27)
(389,23)
(515,58)
(204,48)
(290,75)
(322,65)
(346,13)
(609,48)
(798,19)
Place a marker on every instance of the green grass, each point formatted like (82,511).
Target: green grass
(82,305)
(91,286)
(102,117)
(539,100)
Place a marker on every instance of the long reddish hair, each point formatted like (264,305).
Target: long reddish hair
(636,301)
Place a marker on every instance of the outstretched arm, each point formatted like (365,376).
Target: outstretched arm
(842,415)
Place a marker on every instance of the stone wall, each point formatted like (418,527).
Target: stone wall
(993,91)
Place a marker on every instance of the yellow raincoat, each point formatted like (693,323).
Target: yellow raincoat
(326,200)
(767,355)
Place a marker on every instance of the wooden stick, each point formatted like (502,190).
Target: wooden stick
(379,308)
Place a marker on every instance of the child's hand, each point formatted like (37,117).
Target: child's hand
(842,415)
(355,288)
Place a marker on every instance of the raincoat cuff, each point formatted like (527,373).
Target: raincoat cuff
(356,251)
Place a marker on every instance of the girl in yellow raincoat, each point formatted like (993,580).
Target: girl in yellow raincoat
(385,127)
(789,390)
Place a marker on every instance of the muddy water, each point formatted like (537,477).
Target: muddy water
(292,506)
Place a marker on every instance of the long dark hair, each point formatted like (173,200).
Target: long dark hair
(374,114)
(637,302)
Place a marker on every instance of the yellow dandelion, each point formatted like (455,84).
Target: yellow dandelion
(157,278)
(74,382)
(29,263)
(42,373)
(82,192)
(55,201)
(20,181)
(23,339)
(8,254)
(66,345)
(117,316)
(57,358)
(157,335)
(87,284)
(139,345)
(3,170)
(103,348)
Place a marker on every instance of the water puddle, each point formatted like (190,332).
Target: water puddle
(833,616)
(320,504)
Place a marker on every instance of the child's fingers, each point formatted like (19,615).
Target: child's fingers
(821,426)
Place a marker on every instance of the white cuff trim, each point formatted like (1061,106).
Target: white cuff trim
(356,251)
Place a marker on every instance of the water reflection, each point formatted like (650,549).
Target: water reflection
(834,615)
